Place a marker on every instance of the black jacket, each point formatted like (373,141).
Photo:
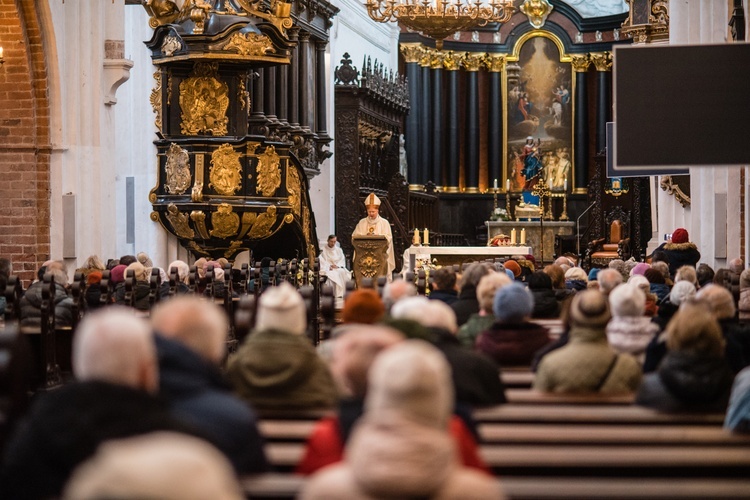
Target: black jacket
(447,296)
(198,395)
(545,304)
(680,254)
(466,305)
(31,306)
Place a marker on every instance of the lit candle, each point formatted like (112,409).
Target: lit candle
(426,236)
(565,185)
(507,185)
(550,183)
(523,236)
(512,236)
(1,52)
(495,186)
(415,240)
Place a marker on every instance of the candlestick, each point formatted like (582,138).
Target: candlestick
(550,183)
(523,236)
(565,185)
(512,236)
(564,214)
(426,236)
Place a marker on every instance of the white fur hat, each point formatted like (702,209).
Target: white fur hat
(372,201)
(681,291)
(281,307)
(627,300)
(411,378)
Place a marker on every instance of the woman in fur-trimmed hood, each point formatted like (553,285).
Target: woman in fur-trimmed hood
(680,251)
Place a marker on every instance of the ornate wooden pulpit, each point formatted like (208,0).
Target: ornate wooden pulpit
(370,257)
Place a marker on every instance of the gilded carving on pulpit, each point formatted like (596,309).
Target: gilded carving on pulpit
(233,247)
(225,222)
(155,100)
(293,188)
(269,173)
(262,227)
(170,45)
(199,218)
(369,266)
(204,100)
(249,44)
(537,11)
(243,95)
(179,222)
(539,116)
(248,219)
(178,170)
(225,174)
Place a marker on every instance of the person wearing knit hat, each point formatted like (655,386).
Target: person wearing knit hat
(141,288)
(512,340)
(576,279)
(363,306)
(277,368)
(401,447)
(680,251)
(93,290)
(374,225)
(640,268)
(514,267)
(587,364)
(629,330)
(657,283)
(117,274)
(546,305)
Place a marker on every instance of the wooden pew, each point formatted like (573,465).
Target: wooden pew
(530,396)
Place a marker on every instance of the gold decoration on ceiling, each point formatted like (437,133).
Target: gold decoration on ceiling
(225,174)
(199,218)
(204,100)
(293,187)
(602,60)
(178,170)
(249,44)
(197,192)
(537,11)
(269,173)
(248,219)
(412,52)
(495,63)
(225,222)
(179,222)
(472,61)
(442,18)
(580,62)
(155,100)
(262,227)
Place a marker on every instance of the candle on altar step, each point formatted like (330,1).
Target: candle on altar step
(495,186)
(512,236)
(415,240)
(507,185)
(523,236)
(426,236)
(565,185)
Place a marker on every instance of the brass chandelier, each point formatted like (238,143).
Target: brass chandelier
(439,19)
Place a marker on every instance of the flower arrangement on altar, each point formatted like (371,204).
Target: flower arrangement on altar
(499,213)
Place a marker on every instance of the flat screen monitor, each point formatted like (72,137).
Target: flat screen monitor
(681,106)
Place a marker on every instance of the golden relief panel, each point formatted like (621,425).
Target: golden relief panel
(293,187)
(225,222)
(269,173)
(249,44)
(262,227)
(233,247)
(204,100)
(225,174)
(199,218)
(155,100)
(197,192)
(178,170)
(248,219)
(180,222)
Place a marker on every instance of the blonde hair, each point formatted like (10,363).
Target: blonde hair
(718,299)
(694,329)
(487,287)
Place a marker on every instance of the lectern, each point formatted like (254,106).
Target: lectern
(370,257)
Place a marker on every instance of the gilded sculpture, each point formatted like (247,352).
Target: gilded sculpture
(170,45)
(243,95)
(204,100)
(225,174)
(225,222)
(537,11)
(293,187)
(179,222)
(249,44)
(262,227)
(197,192)
(248,219)
(199,218)
(269,173)
(178,170)
(155,100)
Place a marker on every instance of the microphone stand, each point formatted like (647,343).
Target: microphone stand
(578,229)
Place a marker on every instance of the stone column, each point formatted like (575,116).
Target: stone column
(293,88)
(471,63)
(603,63)
(425,98)
(452,64)
(495,64)
(581,64)
(436,63)
(307,83)
(412,52)
(320,86)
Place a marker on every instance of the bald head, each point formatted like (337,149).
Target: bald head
(199,324)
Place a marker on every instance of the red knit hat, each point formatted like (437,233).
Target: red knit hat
(94,277)
(363,306)
(680,235)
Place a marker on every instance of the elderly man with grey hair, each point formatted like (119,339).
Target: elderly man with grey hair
(397,290)
(608,280)
(191,335)
(475,376)
(114,360)
(468,303)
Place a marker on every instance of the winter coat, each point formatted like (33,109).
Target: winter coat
(447,296)
(470,330)
(512,344)
(738,412)
(278,370)
(631,334)
(661,291)
(199,395)
(141,290)
(582,366)
(545,304)
(475,377)
(31,306)
(466,305)
(680,254)
(687,382)
(395,457)
(576,285)
(664,313)
(743,305)
(64,428)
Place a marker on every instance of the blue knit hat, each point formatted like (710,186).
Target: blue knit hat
(593,273)
(512,303)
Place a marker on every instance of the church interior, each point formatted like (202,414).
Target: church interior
(256,131)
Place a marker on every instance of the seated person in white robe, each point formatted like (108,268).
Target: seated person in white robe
(374,224)
(333,265)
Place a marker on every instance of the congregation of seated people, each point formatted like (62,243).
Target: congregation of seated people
(156,378)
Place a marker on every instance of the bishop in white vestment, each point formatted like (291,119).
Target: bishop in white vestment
(374,224)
